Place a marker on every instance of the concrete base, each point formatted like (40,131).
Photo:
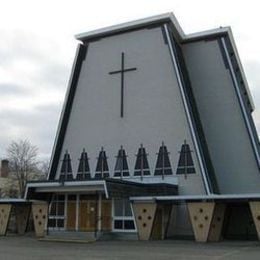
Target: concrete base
(22,214)
(144,217)
(5,210)
(201,214)
(40,218)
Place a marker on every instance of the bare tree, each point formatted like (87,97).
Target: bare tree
(44,168)
(22,156)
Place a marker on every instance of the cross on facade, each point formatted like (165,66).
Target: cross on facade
(122,72)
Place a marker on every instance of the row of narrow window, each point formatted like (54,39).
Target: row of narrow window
(163,164)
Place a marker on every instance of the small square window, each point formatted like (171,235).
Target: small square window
(60,223)
(52,223)
(118,224)
(129,224)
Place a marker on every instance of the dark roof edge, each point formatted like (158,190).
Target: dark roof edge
(133,25)
(64,117)
(178,32)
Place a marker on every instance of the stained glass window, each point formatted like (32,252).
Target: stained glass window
(66,169)
(102,170)
(141,164)
(163,165)
(121,168)
(83,169)
(185,165)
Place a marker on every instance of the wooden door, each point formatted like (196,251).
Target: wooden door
(83,213)
(106,223)
(87,215)
(71,215)
(92,215)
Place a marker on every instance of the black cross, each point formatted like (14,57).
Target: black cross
(122,71)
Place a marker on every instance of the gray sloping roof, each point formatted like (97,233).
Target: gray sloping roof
(179,34)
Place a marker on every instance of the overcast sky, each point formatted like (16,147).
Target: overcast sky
(37,48)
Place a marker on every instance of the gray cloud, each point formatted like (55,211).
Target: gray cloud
(8,89)
(38,125)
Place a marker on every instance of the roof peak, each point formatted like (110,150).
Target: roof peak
(132,25)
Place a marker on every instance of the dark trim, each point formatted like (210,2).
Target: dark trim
(148,26)
(210,37)
(245,100)
(82,51)
(164,35)
(224,57)
(196,122)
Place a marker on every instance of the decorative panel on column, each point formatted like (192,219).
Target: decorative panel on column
(40,217)
(201,214)
(144,217)
(255,210)
(5,210)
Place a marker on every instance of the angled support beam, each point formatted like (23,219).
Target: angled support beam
(161,221)
(144,213)
(215,231)
(40,217)
(5,212)
(22,214)
(201,215)
(255,211)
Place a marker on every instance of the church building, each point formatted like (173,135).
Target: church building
(156,139)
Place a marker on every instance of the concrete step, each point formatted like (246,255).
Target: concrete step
(70,236)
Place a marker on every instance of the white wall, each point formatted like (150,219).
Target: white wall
(222,120)
(154,110)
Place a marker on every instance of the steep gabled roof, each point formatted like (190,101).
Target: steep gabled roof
(122,28)
(178,33)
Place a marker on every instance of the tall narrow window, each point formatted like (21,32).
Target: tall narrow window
(66,170)
(185,165)
(163,165)
(123,219)
(121,168)
(57,212)
(141,164)
(83,170)
(102,170)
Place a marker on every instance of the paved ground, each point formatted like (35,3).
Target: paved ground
(28,248)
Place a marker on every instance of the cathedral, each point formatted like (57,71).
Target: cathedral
(155,141)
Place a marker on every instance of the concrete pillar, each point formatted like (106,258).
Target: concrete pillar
(5,211)
(201,214)
(255,211)
(22,214)
(161,221)
(217,223)
(99,215)
(40,217)
(144,213)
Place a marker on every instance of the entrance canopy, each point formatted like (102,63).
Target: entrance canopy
(109,187)
(220,198)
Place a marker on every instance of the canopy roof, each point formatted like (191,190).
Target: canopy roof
(110,187)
